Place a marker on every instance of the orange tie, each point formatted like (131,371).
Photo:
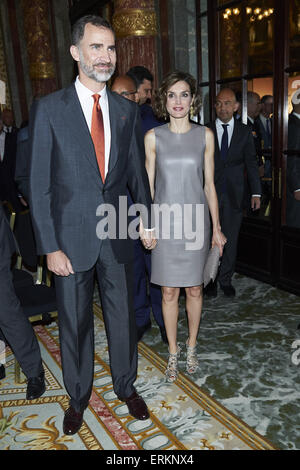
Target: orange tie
(97,132)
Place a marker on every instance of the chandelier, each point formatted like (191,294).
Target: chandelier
(254,13)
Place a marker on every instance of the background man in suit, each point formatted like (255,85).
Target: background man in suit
(86,148)
(144,303)
(125,86)
(8,149)
(234,152)
(264,121)
(293,168)
(15,327)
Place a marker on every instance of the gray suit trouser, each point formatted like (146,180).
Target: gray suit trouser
(75,313)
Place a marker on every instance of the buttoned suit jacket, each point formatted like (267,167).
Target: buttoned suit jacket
(241,156)
(65,184)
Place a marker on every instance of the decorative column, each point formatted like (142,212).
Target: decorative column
(38,38)
(5,100)
(134,22)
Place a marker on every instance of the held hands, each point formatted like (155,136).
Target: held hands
(59,263)
(147,237)
(218,239)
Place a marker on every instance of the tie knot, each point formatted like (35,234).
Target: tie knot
(96,97)
(225,126)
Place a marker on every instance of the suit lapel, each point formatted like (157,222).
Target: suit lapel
(217,148)
(80,130)
(234,138)
(115,128)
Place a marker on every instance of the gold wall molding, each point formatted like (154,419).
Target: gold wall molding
(135,22)
(40,70)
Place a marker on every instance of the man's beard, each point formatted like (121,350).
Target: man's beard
(90,72)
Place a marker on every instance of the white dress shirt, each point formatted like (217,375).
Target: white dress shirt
(87,103)
(220,130)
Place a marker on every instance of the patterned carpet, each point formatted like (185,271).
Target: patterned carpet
(183,416)
(248,349)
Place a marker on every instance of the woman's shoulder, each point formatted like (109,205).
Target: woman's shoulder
(150,135)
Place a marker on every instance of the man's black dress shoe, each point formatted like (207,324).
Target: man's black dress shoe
(211,290)
(229,291)
(72,421)
(35,387)
(136,406)
(163,334)
(2,372)
(141,330)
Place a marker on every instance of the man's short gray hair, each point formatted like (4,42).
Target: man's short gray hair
(79,27)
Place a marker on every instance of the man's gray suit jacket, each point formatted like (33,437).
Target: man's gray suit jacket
(65,184)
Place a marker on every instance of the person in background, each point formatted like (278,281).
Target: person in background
(293,166)
(8,149)
(234,153)
(125,86)
(142,268)
(144,84)
(15,328)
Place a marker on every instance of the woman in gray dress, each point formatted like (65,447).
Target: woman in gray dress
(178,154)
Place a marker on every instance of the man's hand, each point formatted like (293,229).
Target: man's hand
(255,203)
(297,195)
(23,201)
(59,263)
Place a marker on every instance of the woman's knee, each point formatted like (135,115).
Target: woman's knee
(170,294)
(194,292)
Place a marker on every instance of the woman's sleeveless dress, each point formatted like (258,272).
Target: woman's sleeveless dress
(181,208)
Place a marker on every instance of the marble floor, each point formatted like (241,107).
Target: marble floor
(248,357)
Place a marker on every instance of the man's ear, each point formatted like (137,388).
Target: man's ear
(236,107)
(74,52)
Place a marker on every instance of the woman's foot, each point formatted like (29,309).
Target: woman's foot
(191,358)
(172,368)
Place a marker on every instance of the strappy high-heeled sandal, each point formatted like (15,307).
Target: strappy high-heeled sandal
(171,372)
(192,363)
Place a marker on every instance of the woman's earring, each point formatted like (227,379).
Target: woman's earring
(192,111)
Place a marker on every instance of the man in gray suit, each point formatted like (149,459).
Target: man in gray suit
(86,147)
(234,153)
(13,324)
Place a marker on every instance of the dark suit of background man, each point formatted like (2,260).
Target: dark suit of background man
(293,167)
(69,179)
(234,152)
(8,149)
(144,303)
(14,326)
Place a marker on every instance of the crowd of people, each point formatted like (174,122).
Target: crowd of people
(88,145)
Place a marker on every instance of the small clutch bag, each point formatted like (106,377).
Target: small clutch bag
(212,265)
